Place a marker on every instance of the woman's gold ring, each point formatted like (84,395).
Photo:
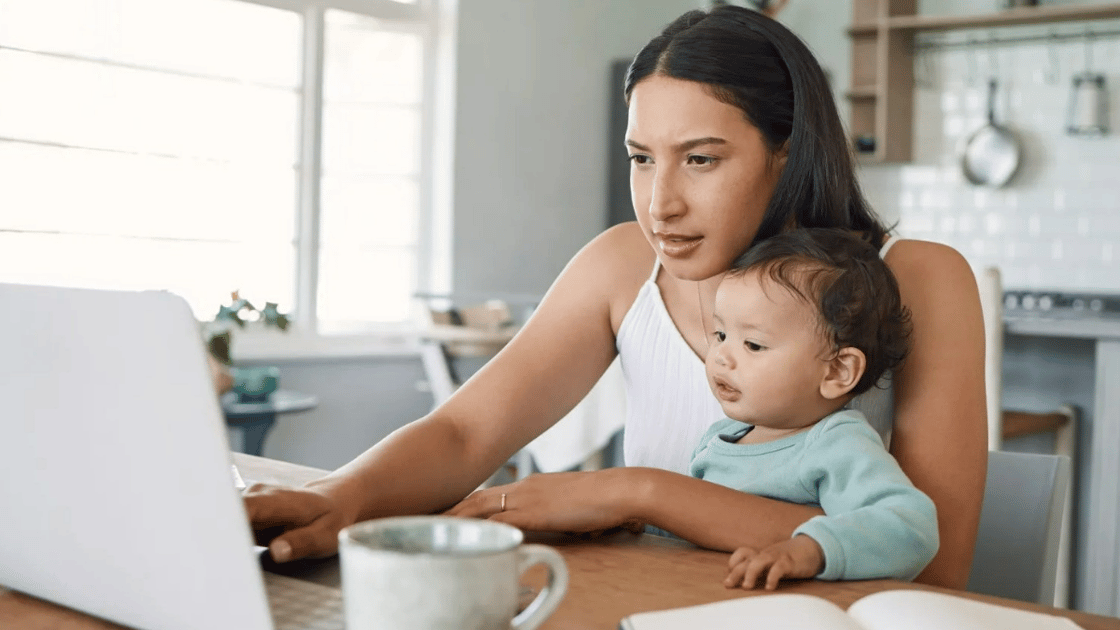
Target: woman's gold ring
(503,502)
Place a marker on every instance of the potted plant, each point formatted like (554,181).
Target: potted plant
(252,384)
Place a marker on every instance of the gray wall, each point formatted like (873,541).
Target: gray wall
(530,178)
(823,26)
(360,402)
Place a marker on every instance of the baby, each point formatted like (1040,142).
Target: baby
(803,323)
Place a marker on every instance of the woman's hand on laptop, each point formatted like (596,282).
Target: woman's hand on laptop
(295,522)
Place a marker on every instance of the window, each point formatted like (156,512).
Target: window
(273,147)
(371,167)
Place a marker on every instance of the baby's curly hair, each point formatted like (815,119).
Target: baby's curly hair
(855,294)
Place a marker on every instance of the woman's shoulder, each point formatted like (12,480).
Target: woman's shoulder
(621,252)
(621,260)
(623,245)
(938,285)
(926,266)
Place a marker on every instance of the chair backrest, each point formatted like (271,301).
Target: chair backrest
(990,284)
(1020,525)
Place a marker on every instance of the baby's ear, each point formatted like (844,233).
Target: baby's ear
(843,373)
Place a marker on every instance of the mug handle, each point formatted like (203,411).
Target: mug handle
(549,598)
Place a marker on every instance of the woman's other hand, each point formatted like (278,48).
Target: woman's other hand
(295,522)
(570,502)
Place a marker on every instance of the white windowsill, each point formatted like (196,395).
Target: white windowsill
(254,344)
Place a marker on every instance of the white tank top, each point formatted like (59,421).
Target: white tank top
(668,402)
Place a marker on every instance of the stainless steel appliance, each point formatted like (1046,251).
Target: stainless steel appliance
(1030,304)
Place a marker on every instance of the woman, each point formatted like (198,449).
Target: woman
(733,138)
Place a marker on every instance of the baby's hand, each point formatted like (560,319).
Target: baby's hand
(798,557)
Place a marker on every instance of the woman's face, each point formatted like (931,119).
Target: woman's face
(701,176)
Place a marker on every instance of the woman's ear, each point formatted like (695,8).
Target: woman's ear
(781,156)
(843,373)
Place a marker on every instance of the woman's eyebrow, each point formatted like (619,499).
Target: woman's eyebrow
(687,145)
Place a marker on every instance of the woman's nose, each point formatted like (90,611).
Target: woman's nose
(665,201)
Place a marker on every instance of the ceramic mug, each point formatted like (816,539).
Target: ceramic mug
(442,572)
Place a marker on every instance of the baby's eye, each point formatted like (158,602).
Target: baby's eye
(752,346)
(640,159)
(720,336)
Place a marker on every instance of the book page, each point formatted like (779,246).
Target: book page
(772,612)
(924,610)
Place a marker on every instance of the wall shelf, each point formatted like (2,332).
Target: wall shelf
(882,88)
(862,92)
(1010,17)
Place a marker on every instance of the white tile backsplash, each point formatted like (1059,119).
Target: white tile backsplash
(1057,224)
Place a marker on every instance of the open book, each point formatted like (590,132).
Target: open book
(888,610)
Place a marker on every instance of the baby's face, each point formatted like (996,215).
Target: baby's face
(765,359)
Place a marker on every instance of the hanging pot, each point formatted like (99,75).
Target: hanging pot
(992,153)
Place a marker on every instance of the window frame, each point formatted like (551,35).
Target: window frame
(434,22)
(434,223)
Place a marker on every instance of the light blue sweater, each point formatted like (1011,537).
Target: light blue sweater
(876,523)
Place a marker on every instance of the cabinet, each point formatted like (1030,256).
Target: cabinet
(882,94)
(882,89)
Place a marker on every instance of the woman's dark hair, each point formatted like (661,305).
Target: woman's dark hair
(853,290)
(754,63)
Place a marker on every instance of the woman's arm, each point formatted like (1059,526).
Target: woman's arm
(701,512)
(940,428)
(714,516)
(434,462)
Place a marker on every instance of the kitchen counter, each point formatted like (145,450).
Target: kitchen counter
(1105,326)
(1102,543)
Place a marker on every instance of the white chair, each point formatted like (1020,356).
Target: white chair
(578,440)
(1006,424)
(474,332)
(1017,548)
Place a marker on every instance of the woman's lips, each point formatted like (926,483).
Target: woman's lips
(676,246)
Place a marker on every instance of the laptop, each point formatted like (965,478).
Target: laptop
(117,496)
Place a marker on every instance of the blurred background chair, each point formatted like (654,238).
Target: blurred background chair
(475,332)
(460,339)
(1017,548)
(1005,424)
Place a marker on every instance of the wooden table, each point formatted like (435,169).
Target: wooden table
(610,578)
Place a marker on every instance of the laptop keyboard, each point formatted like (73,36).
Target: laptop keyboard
(302,605)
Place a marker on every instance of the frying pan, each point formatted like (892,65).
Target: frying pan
(991,154)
